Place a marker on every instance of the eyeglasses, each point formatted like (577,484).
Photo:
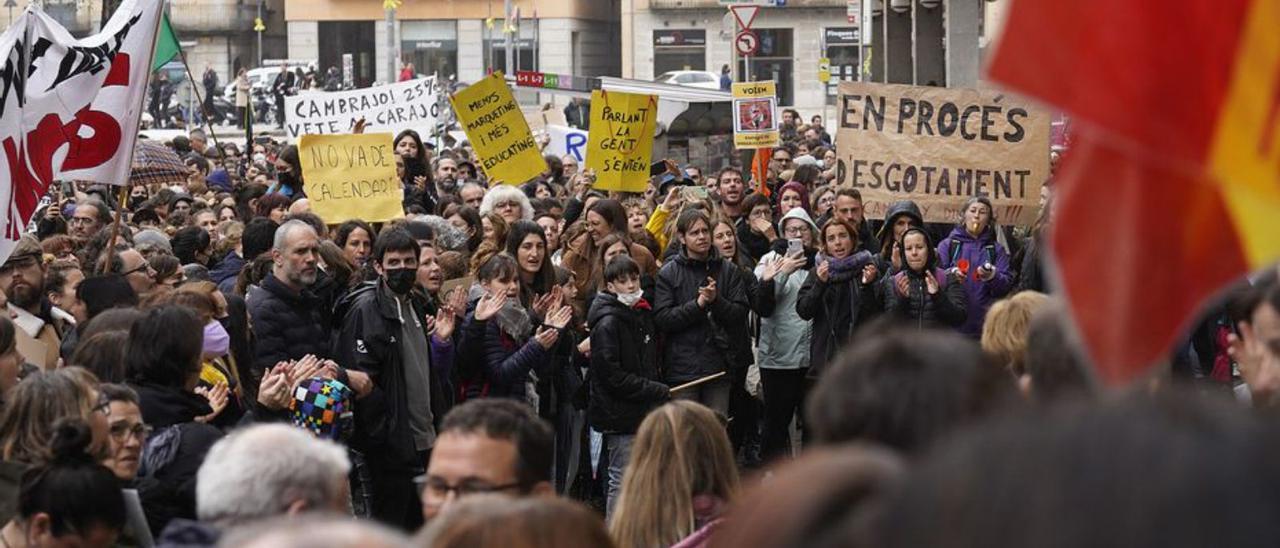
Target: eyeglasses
(144,266)
(104,404)
(435,491)
(121,432)
(796,230)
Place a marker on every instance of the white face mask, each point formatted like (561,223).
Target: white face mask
(630,299)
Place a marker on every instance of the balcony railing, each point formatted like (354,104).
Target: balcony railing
(713,4)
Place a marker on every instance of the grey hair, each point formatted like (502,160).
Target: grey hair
(259,471)
(448,237)
(282,233)
(316,529)
(469,183)
(504,193)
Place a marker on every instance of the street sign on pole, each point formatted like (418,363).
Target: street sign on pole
(745,15)
(854,11)
(747,43)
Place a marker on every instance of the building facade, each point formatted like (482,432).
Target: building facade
(924,42)
(459,39)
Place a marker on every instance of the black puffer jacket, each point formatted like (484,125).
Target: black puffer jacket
(288,324)
(918,308)
(697,343)
(170,491)
(836,309)
(624,377)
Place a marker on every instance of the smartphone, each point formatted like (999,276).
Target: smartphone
(657,168)
(795,247)
(694,192)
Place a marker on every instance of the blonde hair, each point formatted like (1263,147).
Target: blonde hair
(681,450)
(1004,334)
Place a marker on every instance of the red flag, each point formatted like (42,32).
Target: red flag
(1172,185)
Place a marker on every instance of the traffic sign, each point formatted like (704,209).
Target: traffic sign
(747,43)
(854,11)
(824,70)
(745,15)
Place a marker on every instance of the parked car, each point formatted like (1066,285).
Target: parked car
(691,78)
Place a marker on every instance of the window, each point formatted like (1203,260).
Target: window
(432,47)
(773,62)
(679,49)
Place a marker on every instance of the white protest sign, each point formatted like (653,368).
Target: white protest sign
(391,108)
(567,141)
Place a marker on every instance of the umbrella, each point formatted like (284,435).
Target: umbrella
(156,163)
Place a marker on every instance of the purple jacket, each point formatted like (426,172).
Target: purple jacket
(976,252)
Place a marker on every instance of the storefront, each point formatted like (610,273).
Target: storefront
(432,46)
(526,49)
(679,49)
(842,50)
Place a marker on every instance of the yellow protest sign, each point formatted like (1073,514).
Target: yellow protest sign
(351,177)
(620,143)
(498,131)
(755,115)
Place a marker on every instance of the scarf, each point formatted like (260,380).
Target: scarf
(848,268)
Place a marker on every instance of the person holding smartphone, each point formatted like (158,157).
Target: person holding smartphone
(783,344)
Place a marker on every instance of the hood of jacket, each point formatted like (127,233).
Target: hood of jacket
(931,262)
(897,209)
(798,213)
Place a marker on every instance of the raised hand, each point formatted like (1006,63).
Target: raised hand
(824,271)
(547,337)
(771,269)
(457,301)
(488,306)
(792,264)
(217,397)
(902,284)
(584,348)
(559,318)
(273,391)
(931,283)
(673,199)
(305,368)
(869,273)
(764,227)
(445,321)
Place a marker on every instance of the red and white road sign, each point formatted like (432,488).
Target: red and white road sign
(745,15)
(747,43)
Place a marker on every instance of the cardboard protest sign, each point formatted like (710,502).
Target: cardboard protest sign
(351,177)
(755,115)
(939,147)
(620,143)
(497,129)
(567,141)
(407,105)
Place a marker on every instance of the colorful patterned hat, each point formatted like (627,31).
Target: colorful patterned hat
(323,406)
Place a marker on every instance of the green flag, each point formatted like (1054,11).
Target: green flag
(166,45)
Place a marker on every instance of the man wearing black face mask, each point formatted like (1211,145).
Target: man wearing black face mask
(385,333)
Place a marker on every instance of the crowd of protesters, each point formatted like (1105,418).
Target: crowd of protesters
(718,361)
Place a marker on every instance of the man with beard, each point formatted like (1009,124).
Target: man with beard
(287,316)
(22,279)
(446,175)
(732,192)
(385,334)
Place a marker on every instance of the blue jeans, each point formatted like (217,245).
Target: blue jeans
(618,447)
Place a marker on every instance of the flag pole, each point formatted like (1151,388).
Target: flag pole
(194,89)
(124,188)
